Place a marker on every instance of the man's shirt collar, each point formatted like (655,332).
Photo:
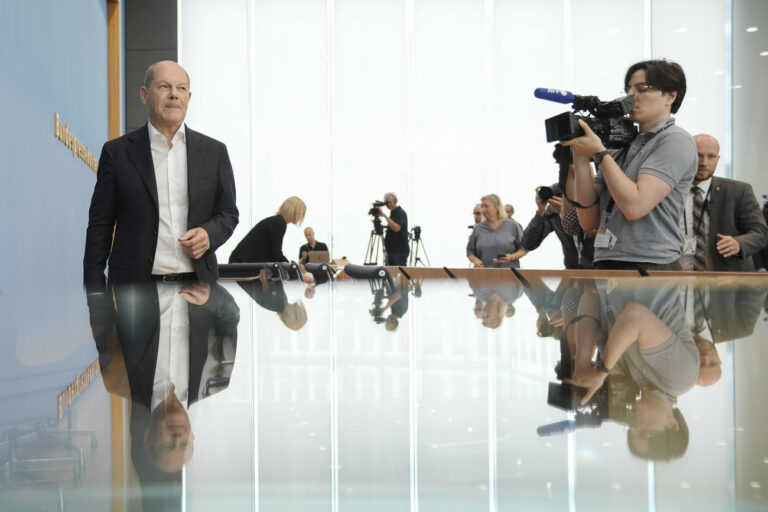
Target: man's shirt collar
(179,136)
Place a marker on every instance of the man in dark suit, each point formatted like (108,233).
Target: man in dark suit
(722,224)
(166,192)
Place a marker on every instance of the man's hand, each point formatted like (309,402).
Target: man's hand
(477,262)
(196,241)
(504,259)
(540,205)
(196,293)
(304,255)
(555,204)
(586,145)
(590,379)
(727,246)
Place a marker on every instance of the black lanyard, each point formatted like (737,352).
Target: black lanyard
(625,162)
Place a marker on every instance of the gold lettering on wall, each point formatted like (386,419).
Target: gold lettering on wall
(61,132)
(66,397)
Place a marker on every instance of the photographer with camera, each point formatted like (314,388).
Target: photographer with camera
(641,188)
(396,247)
(550,208)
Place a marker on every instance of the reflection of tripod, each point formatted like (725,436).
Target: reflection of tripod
(417,242)
(374,243)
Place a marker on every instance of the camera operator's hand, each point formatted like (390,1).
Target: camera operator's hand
(589,378)
(586,145)
(540,205)
(555,204)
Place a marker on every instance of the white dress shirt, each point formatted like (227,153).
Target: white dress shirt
(172,200)
(172,365)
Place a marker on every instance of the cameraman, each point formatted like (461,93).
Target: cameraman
(396,247)
(641,189)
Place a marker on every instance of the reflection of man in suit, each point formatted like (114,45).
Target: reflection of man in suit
(730,227)
(167,192)
(163,345)
(729,311)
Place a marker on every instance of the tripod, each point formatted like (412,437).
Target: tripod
(416,242)
(374,244)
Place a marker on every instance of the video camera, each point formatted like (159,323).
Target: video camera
(376,207)
(606,118)
(374,212)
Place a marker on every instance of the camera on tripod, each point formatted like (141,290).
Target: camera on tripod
(608,119)
(376,208)
(416,233)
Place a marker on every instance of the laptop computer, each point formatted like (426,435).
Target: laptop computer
(319,257)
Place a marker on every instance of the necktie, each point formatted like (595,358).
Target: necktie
(701,227)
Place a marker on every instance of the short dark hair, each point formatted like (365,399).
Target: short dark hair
(664,446)
(664,75)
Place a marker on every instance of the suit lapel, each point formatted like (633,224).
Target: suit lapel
(140,154)
(194,165)
(715,205)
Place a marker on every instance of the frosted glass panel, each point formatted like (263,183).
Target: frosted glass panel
(431,99)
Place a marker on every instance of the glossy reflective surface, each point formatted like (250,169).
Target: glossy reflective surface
(443,394)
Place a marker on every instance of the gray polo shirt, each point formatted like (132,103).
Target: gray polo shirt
(486,243)
(668,153)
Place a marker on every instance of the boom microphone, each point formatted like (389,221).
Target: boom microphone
(556,95)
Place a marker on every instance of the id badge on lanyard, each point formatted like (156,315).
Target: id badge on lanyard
(605,239)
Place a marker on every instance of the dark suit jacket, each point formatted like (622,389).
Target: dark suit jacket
(733,310)
(126,194)
(127,331)
(734,211)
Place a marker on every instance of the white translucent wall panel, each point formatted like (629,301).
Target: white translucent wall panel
(370,131)
(750,103)
(220,85)
(608,37)
(291,132)
(693,33)
(527,52)
(429,99)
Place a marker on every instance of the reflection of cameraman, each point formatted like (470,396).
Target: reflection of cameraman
(641,189)
(396,248)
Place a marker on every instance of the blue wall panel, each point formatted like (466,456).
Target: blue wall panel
(53,58)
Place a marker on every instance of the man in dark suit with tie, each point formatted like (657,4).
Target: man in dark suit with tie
(722,222)
(165,191)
